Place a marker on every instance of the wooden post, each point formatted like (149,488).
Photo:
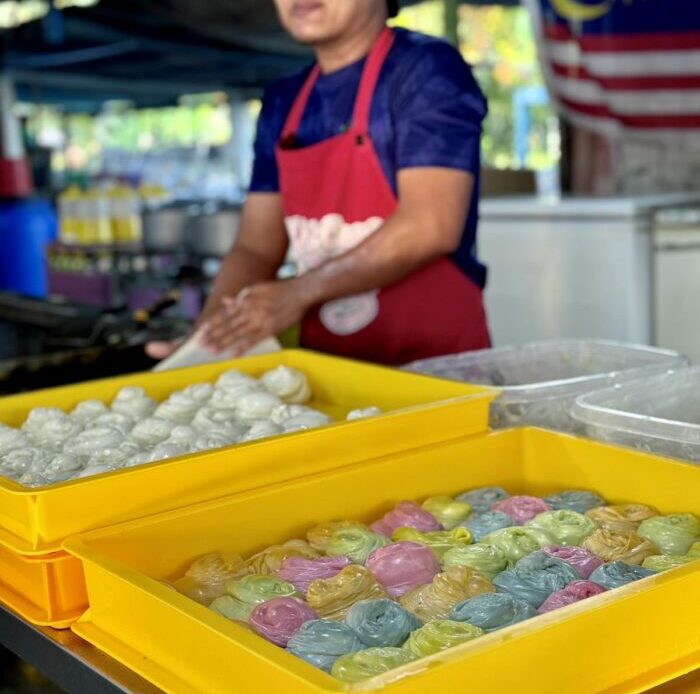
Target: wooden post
(451,10)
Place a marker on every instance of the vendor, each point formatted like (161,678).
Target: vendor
(366,177)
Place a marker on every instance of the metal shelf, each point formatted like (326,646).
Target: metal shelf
(67,660)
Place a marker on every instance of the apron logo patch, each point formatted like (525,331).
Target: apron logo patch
(314,241)
(351,314)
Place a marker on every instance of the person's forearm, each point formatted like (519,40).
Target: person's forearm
(240,268)
(396,250)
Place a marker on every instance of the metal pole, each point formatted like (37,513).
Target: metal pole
(451,11)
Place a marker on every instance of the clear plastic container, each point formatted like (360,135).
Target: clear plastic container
(540,381)
(660,414)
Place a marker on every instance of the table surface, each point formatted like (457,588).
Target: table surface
(67,660)
(77,667)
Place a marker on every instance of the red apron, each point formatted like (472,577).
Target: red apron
(334,196)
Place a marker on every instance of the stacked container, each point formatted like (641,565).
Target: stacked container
(540,381)
(44,585)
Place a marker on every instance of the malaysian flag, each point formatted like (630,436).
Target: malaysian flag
(630,66)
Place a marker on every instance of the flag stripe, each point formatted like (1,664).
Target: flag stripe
(674,41)
(635,121)
(629,83)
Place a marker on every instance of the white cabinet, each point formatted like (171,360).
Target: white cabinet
(572,267)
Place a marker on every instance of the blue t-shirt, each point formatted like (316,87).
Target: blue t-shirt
(427,110)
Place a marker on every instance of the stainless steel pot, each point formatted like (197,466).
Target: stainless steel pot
(212,233)
(164,229)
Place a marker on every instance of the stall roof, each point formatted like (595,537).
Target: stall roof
(152,52)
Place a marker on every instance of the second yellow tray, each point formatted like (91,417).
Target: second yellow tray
(621,642)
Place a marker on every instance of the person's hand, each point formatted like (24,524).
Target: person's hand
(260,311)
(162,349)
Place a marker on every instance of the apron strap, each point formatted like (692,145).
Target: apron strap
(293,121)
(365,92)
(368,83)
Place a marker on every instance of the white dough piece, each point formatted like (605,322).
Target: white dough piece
(39,417)
(55,432)
(261,429)
(234,378)
(210,420)
(309,420)
(10,439)
(227,398)
(192,353)
(363,413)
(91,470)
(166,450)
(87,410)
(133,402)
(91,441)
(288,384)
(208,442)
(282,413)
(183,434)
(114,420)
(151,431)
(256,405)
(179,408)
(15,463)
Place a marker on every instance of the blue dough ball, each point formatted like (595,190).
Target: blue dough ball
(483,498)
(575,500)
(492,611)
(535,577)
(381,623)
(321,642)
(617,574)
(484,523)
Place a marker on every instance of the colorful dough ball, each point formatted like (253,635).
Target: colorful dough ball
(448,512)
(356,667)
(439,541)
(277,620)
(618,573)
(574,592)
(482,499)
(321,642)
(355,543)
(402,566)
(488,559)
(492,611)
(381,623)
(621,517)
(581,559)
(484,523)
(575,500)
(405,514)
(331,598)
(566,527)
(440,635)
(612,545)
(521,508)
(672,534)
(300,572)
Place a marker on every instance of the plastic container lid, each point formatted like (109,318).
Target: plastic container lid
(540,380)
(660,413)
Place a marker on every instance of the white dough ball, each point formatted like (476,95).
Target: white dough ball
(256,405)
(261,429)
(10,439)
(234,378)
(151,431)
(134,402)
(282,413)
(363,413)
(113,420)
(311,420)
(87,410)
(91,441)
(286,383)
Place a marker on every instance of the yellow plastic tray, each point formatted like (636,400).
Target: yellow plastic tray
(36,521)
(620,642)
(47,590)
